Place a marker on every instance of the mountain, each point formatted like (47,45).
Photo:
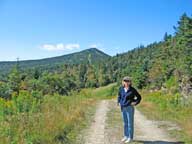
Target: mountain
(91,55)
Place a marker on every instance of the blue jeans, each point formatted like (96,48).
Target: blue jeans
(128,120)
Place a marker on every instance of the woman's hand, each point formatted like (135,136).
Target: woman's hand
(133,103)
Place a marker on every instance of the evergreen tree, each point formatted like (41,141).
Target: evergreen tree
(15,78)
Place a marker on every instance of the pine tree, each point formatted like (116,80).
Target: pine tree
(91,80)
(15,78)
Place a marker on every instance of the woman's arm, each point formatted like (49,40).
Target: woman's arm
(137,96)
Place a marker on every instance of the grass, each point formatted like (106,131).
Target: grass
(163,106)
(58,120)
(114,125)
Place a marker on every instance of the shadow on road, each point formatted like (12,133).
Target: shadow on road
(160,142)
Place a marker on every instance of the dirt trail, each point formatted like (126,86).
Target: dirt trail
(107,127)
(148,131)
(95,134)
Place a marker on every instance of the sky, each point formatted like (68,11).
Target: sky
(35,29)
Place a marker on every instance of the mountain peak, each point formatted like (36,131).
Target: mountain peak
(96,50)
(73,58)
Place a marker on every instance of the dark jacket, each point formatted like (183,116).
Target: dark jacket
(126,98)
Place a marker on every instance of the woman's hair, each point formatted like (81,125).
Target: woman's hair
(126,79)
(124,84)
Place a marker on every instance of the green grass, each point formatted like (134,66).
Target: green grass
(114,125)
(58,119)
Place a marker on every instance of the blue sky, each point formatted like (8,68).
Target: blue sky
(34,29)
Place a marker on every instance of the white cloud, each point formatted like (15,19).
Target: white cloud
(59,47)
(72,46)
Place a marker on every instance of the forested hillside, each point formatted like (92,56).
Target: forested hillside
(55,75)
(91,55)
(166,64)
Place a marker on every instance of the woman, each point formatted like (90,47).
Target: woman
(128,97)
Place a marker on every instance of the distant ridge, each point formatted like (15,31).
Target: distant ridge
(83,56)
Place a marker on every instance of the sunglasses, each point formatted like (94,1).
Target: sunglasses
(126,80)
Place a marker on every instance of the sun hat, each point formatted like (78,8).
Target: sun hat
(126,78)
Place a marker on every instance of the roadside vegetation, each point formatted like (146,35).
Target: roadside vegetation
(166,106)
(51,119)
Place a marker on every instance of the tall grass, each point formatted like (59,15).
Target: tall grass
(50,119)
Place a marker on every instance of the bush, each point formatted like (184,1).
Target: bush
(27,102)
(5,91)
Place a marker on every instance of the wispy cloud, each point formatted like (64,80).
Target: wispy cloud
(59,47)
(97,45)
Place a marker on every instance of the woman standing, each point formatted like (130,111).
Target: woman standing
(128,97)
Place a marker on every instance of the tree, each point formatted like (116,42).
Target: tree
(82,75)
(184,38)
(91,80)
(103,75)
(167,36)
(15,78)
(5,91)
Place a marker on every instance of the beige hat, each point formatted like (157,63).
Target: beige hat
(127,78)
